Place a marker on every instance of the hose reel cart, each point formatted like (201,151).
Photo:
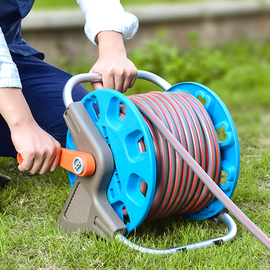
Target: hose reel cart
(156,154)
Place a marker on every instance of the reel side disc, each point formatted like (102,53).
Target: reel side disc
(229,148)
(132,185)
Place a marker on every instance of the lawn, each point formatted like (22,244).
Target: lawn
(239,73)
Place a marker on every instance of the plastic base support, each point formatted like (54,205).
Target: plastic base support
(229,149)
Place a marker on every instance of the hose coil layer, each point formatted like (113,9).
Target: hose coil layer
(178,189)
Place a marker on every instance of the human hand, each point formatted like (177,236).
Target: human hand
(40,152)
(117,71)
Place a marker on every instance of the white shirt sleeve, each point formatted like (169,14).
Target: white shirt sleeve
(107,15)
(9,75)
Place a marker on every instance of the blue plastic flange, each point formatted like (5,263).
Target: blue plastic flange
(127,134)
(229,149)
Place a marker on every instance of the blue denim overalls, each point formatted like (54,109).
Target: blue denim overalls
(11,14)
(42,84)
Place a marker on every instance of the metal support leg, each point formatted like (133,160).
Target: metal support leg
(232,230)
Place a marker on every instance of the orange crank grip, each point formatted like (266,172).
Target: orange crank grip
(80,163)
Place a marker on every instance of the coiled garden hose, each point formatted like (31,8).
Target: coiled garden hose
(153,120)
(178,189)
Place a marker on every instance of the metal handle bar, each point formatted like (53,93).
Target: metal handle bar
(96,77)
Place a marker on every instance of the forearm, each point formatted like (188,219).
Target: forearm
(14,109)
(115,46)
(13,106)
(12,102)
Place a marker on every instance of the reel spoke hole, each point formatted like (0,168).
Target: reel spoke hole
(142,146)
(135,145)
(92,108)
(115,113)
(122,111)
(222,137)
(143,188)
(223,179)
(96,109)
(126,218)
(137,190)
(202,100)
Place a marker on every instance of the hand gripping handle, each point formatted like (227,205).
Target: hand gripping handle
(95,77)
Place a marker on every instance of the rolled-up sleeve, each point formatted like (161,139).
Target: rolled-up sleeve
(107,15)
(9,75)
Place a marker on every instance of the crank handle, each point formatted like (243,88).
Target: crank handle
(80,163)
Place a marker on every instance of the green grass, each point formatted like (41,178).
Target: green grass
(30,206)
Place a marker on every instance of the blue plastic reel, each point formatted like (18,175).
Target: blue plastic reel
(124,129)
(229,149)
